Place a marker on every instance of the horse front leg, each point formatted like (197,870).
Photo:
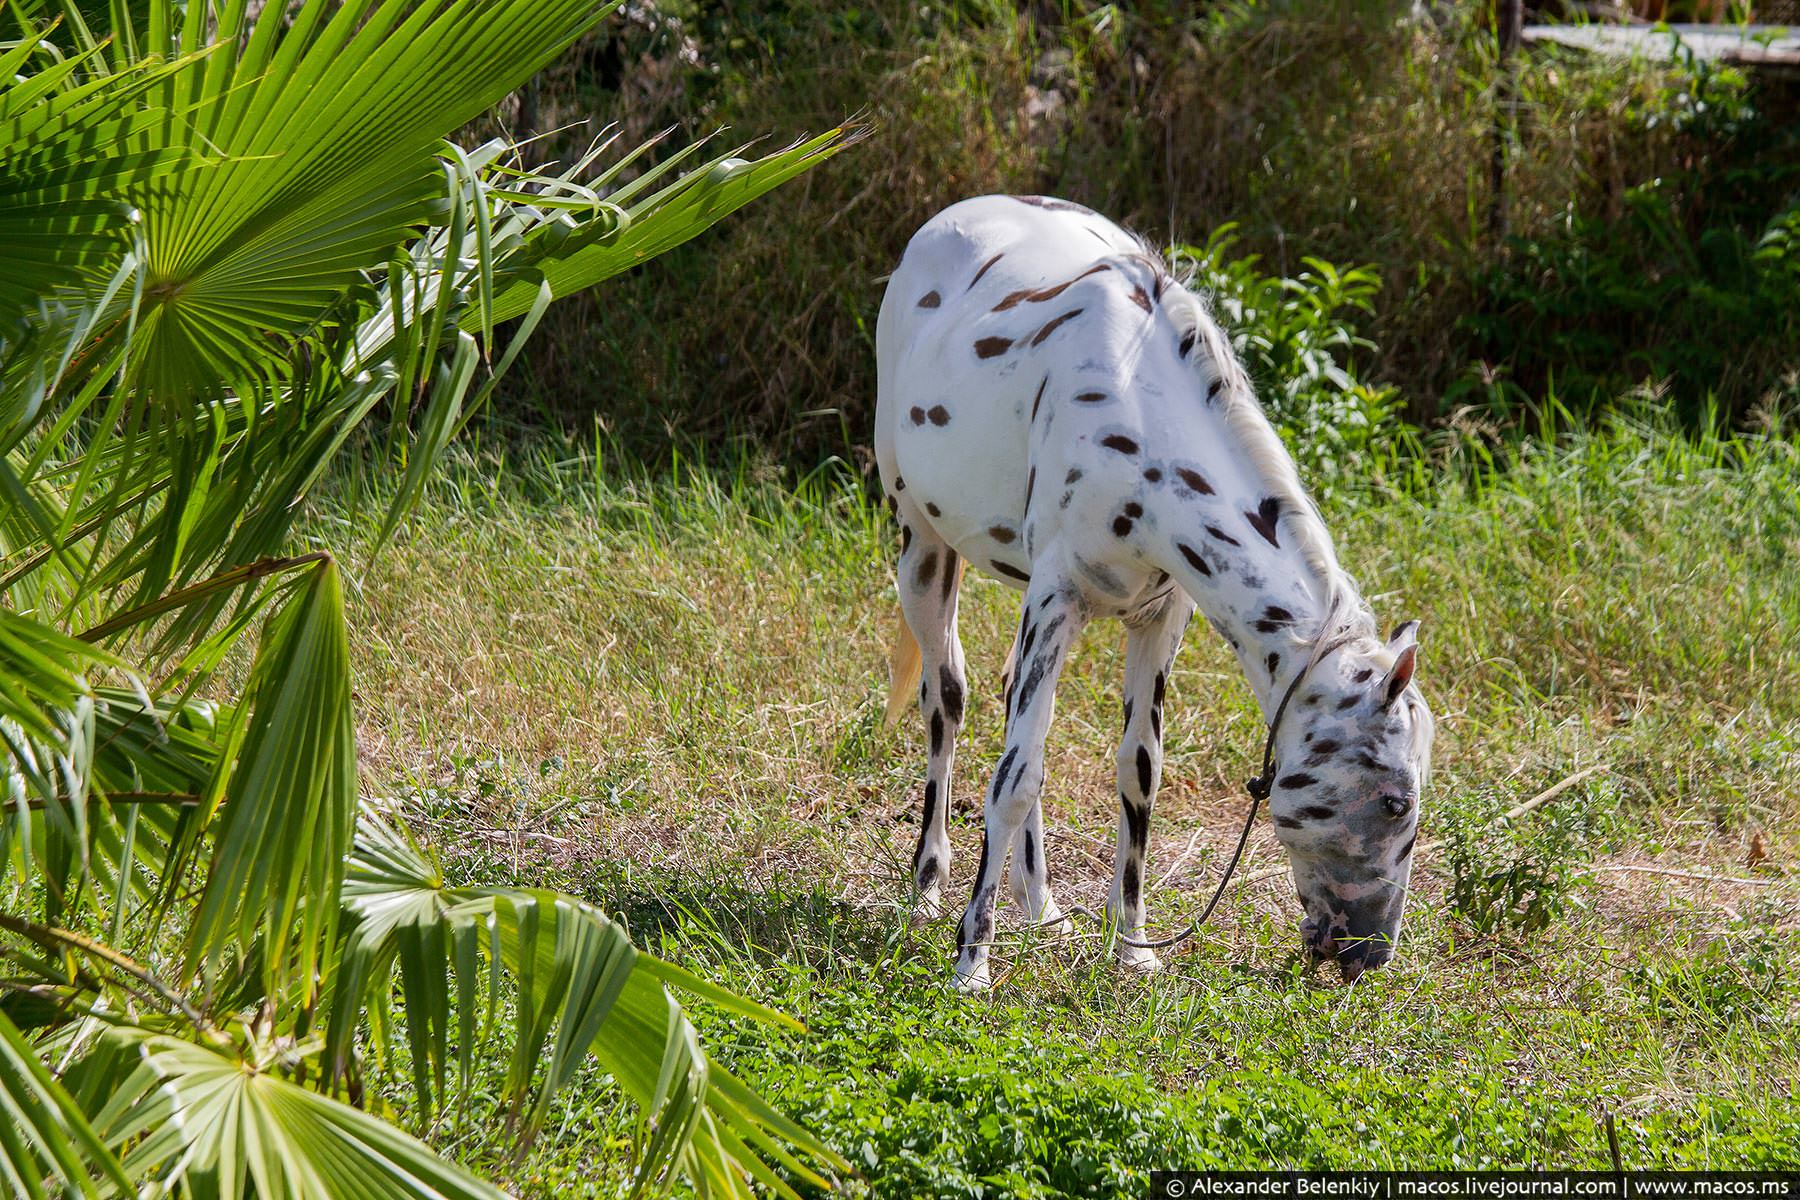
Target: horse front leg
(930,574)
(1149,654)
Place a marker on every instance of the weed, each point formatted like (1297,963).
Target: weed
(1515,877)
(1740,978)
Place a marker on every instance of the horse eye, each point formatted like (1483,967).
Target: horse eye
(1397,806)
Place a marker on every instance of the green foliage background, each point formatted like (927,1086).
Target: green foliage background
(1650,208)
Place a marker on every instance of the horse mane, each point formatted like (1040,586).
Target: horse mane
(1265,454)
(1269,458)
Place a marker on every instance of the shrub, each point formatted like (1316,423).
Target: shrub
(1519,876)
(1690,277)
(1297,339)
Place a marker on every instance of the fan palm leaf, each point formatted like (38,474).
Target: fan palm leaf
(63,173)
(45,1138)
(182,1115)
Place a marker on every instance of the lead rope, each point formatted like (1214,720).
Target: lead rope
(1258,788)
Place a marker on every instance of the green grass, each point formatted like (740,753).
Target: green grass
(660,689)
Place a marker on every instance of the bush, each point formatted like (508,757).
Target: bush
(1518,876)
(1691,278)
(771,335)
(1297,340)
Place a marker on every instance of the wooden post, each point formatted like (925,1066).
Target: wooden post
(1509,19)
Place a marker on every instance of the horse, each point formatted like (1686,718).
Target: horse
(1059,411)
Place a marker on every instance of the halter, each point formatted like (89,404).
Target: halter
(1259,787)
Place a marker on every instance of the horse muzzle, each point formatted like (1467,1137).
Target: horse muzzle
(1354,951)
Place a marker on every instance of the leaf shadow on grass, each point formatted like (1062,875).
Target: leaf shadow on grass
(727,918)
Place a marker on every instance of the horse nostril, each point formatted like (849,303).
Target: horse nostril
(1397,806)
(1318,938)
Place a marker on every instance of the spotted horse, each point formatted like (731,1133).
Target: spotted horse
(1057,410)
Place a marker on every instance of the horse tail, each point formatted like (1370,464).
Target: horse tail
(903,669)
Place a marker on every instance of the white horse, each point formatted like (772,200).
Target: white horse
(1057,410)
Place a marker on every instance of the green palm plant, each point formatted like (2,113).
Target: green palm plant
(230,245)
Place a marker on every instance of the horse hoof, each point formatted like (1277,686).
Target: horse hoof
(1138,961)
(972,980)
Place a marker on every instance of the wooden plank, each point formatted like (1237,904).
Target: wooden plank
(1736,45)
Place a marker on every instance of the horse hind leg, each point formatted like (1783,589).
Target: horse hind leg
(1028,872)
(929,577)
(1053,616)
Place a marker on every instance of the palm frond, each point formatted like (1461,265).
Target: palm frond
(47,725)
(277,861)
(179,1113)
(45,1139)
(696,200)
(579,988)
(65,166)
(267,238)
(242,236)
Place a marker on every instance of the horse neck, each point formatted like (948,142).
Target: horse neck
(1271,599)
(1276,587)
(1270,646)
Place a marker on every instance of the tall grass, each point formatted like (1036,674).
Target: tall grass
(1618,568)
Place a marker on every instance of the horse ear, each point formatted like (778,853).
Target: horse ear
(1405,644)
